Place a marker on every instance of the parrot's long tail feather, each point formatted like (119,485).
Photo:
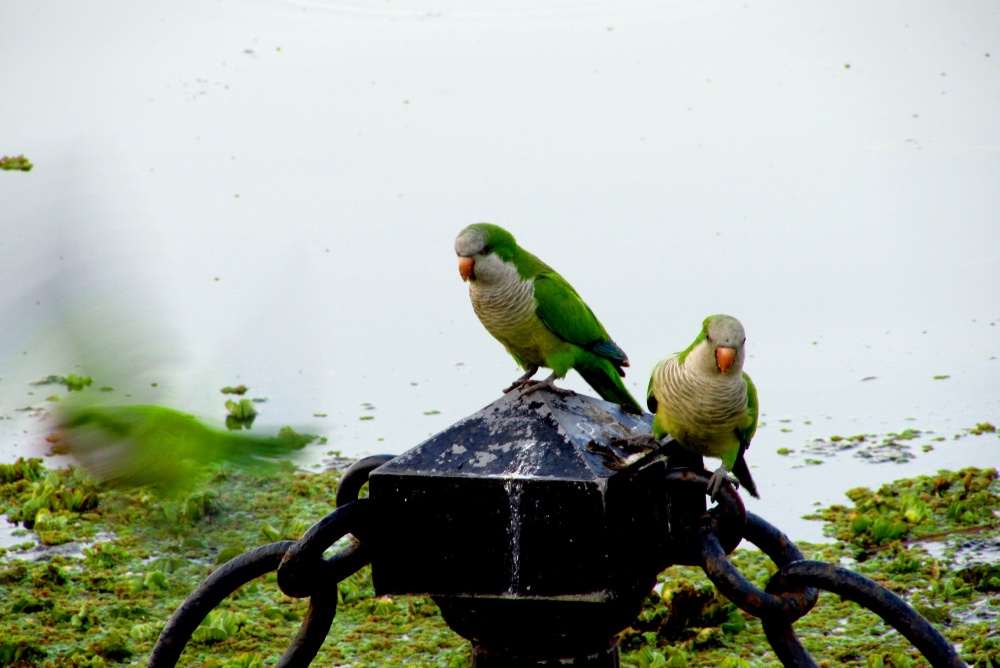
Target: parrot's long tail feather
(742,474)
(605,379)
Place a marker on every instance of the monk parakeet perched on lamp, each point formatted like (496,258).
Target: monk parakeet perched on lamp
(703,399)
(537,315)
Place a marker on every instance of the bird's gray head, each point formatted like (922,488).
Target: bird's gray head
(724,340)
(484,252)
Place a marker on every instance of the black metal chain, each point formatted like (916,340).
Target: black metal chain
(302,572)
(869,594)
(232,575)
(355,477)
(792,591)
(737,588)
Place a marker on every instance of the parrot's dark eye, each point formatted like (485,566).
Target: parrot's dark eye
(708,337)
(487,250)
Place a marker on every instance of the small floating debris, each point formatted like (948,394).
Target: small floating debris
(17,163)
(242,409)
(242,413)
(73,382)
(893,447)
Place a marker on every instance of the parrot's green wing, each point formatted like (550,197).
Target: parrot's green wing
(569,318)
(651,403)
(746,433)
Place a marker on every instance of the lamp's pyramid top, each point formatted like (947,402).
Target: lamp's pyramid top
(541,435)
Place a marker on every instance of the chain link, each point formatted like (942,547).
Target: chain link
(869,594)
(303,570)
(355,477)
(229,577)
(792,591)
(720,570)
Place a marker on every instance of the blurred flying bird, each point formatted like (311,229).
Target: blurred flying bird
(140,444)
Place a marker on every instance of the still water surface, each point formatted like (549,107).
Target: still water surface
(267,193)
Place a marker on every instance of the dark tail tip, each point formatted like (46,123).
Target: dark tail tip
(742,474)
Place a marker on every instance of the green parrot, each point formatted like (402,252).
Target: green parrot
(702,398)
(538,317)
(133,445)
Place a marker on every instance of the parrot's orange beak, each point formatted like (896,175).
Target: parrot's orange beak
(466,266)
(724,358)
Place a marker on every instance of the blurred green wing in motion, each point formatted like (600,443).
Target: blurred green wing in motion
(141,444)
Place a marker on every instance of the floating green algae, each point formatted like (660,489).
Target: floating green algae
(73,382)
(891,447)
(21,164)
(141,554)
(241,414)
(916,508)
(980,429)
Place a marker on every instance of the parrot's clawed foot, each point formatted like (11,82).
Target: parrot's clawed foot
(547,384)
(522,381)
(718,479)
(516,384)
